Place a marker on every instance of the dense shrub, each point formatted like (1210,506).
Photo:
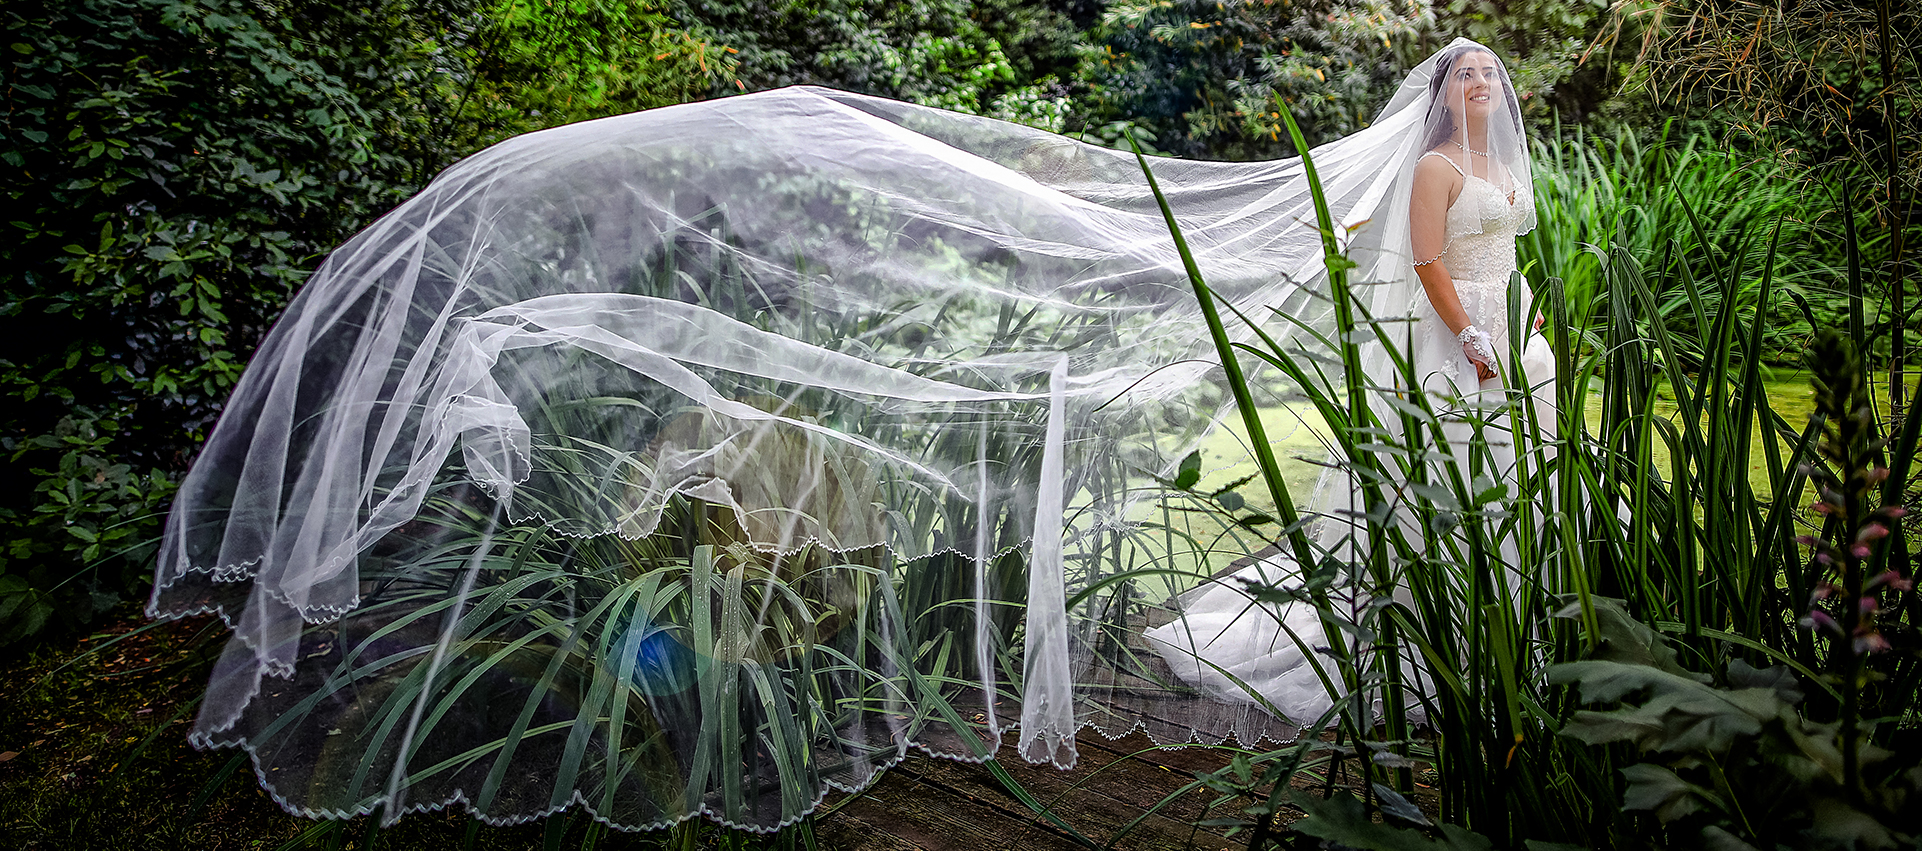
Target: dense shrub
(172,168)
(1006,58)
(541,63)
(1206,77)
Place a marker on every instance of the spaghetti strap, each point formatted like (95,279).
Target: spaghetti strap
(1444,157)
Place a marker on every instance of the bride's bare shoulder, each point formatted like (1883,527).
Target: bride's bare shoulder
(1437,173)
(1438,164)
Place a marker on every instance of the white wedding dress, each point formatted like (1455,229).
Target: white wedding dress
(1236,650)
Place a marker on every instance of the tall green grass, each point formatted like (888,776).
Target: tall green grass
(1491,584)
(1602,194)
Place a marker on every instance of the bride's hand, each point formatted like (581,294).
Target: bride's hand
(1479,348)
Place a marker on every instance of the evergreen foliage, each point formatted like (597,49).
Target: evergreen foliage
(541,63)
(1004,58)
(172,169)
(1208,77)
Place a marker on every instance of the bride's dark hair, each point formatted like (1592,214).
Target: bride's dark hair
(1444,66)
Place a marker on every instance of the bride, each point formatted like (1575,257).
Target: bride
(1446,253)
(700,461)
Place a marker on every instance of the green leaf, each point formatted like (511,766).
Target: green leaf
(1395,805)
(1715,838)
(1190,471)
(1341,819)
(1622,638)
(1843,826)
(1657,789)
(1461,839)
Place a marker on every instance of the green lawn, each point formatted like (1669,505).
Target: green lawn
(1298,436)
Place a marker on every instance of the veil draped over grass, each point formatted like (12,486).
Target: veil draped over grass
(697,461)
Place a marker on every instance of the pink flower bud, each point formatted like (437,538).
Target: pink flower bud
(1878,475)
(1894,512)
(1820,621)
(1871,643)
(1821,507)
(1890,579)
(1872,532)
(1825,590)
(1867,605)
(1860,551)
(1805,540)
(1822,557)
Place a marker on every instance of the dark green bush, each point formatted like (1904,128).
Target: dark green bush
(1012,59)
(541,63)
(172,168)
(1206,77)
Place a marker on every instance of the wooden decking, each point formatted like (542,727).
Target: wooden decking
(938,804)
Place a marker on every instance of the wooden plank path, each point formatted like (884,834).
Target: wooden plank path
(938,804)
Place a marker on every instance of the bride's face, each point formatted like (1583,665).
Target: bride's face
(1474,85)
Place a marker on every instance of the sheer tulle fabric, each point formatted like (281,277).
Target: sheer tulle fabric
(702,460)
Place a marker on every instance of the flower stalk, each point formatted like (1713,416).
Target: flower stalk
(1845,602)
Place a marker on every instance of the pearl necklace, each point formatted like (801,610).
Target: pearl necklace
(1471,150)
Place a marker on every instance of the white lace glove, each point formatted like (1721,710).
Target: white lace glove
(1478,346)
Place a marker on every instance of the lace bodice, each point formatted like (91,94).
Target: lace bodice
(1481,233)
(1482,225)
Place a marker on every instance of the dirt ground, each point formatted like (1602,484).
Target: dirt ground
(94,755)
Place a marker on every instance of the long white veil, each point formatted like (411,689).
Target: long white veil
(699,460)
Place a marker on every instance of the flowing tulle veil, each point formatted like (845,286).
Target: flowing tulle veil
(701,460)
